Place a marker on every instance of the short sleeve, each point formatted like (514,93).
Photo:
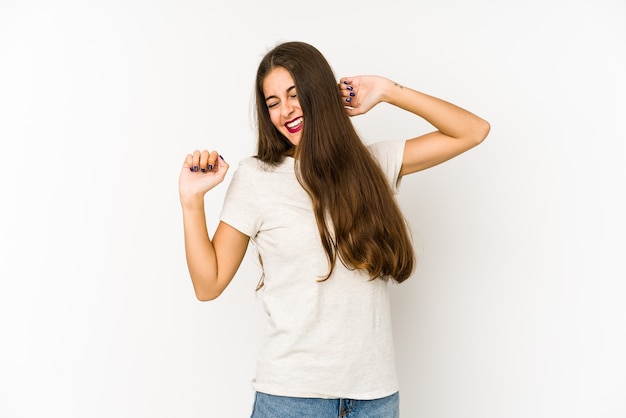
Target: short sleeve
(389,155)
(241,203)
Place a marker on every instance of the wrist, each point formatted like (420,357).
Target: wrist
(192,203)
(391,90)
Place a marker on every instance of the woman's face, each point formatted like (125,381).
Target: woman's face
(282,103)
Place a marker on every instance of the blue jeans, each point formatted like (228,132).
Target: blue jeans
(271,406)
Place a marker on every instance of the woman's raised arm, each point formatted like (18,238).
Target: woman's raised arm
(458,130)
(212,263)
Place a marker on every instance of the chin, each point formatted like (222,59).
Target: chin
(294,141)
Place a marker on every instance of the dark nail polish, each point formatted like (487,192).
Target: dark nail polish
(351,94)
(349,87)
(348,99)
(222,158)
(345,82)
(203,170)
(210,167)
(195,168)
(190,168)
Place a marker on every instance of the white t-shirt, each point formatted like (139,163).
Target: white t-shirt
(330,339)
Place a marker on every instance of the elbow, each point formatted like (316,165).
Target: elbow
(206,286)
(476,133)
(206,295)
(481,131)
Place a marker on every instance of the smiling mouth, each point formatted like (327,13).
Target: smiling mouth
(294,125)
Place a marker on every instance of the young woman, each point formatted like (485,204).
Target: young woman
(319,206)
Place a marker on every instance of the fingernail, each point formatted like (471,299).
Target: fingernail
(190,168)
(345,82)
(348,99)
(222,158)
(195,168)
(351,94)
(210,167)
(203,169)
(349,87)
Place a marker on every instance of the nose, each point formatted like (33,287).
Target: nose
(287,108)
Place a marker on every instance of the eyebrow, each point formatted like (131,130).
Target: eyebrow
(274,97)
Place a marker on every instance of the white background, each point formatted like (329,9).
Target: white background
(517,306)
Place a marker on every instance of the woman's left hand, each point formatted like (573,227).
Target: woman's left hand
(361,93)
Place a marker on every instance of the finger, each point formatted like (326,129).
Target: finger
(188,161)
(212,161)
(347,91)
(349,97)
(195,160)
(204,160)
(222,164)
(220,168)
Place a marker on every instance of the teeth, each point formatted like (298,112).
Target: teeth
(294,123)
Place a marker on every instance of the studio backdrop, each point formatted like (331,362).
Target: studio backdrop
(515,309)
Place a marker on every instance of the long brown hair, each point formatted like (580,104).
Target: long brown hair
(358,218)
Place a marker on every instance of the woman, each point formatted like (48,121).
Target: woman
(319,206)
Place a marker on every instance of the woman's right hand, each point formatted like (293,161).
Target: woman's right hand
(362,93)
(202,171)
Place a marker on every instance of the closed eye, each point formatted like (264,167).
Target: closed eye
(269,100)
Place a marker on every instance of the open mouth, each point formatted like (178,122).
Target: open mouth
(294,125)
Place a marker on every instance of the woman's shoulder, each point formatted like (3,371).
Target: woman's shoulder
(384,147)
(254,177)
(389,155)
(255,165)
(387,151)
(248,163)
